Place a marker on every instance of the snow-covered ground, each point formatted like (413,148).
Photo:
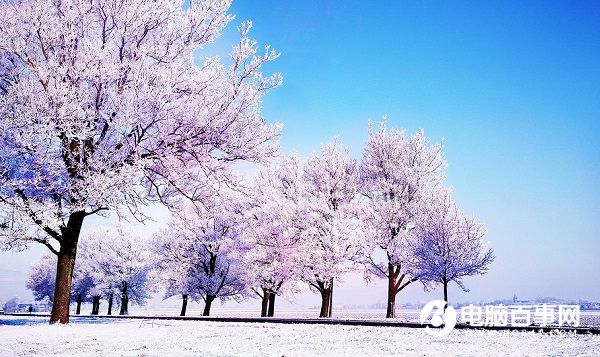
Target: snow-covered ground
(31,336)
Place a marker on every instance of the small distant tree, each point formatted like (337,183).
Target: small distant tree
(41,278)
(204,242)
(273,231)
(84,288)
(396,172)
(11,305)
(172,270)
(84,285)
(330,242)
(450,245)
(121,264)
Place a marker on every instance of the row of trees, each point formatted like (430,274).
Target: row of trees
(311,223)
(113,264)
(109,105)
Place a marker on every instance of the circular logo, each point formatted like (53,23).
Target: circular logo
(439,318)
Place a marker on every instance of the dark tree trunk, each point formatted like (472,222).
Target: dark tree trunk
(64,269)
(325,302)
(330,298)
(78,309)
(110,304)
(124,302)
(265,303)
(207,303)
(391,304)
(95,305)
(394,281)
(395,284)
(445,283)
(271,311)
(184,304)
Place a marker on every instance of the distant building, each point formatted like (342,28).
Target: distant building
(35,307)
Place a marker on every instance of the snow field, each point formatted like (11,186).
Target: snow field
(91,337)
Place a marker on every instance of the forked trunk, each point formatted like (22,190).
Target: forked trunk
(265,303)
(64,269)
(184,304)
(110,304)
(207,303)
(271,311)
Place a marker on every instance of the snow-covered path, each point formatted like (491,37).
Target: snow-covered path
(90,337)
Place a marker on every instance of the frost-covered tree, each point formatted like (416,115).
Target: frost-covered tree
(449,244)
(396,171)
(202,244)
(330,242)
(11,305)
(121,264)
(172,268)
(41,278)
(106,104)
(82,287)
(274,227)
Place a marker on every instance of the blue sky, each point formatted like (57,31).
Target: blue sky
(513,89)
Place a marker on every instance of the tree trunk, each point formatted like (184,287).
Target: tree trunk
(395,284)
(330,297)
(207,303)
(110,303)
(445,283)
(95,305)
(184,304)
(392,291)
(78,309)
(265,303)
(124,302)
(325,301)
(271,304)
(64,269)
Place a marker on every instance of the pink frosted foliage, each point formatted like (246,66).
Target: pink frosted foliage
(396,172)
(331,239)
(106,105)
(198,254)
(450,244)
(275,223)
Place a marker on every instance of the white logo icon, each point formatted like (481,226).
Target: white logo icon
(439,318)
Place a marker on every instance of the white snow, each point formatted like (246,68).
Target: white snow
(101,337)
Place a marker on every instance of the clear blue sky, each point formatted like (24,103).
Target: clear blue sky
(512,88)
